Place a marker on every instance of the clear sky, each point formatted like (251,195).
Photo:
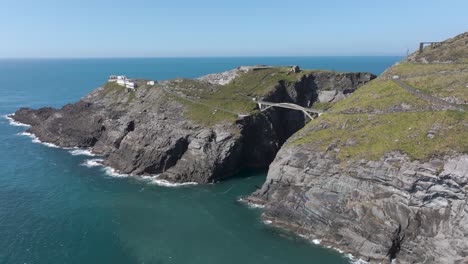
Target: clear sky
(171,28)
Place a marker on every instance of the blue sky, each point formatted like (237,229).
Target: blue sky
(153,28)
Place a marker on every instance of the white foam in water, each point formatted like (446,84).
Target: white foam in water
(114,173)
(359,261)
(108,170)
(268,222)
(81,152)
(252,205)
(165,183)
(36,140)
(92,163)
(317,241)
(13,122)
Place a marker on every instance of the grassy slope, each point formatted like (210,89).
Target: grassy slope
(420,133)
(235,97)
(379,95)
(439,80)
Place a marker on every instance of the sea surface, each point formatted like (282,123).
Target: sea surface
(54,209)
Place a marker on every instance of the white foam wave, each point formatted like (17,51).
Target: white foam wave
(114,173)
(36,140)
(268,222)
(316,241)
(82,152)
(255,205)
(358,261)
(92,163)
(13,122)
(251,204)
(165,183)
(351,257)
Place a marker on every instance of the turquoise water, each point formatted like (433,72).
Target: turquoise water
(54,210)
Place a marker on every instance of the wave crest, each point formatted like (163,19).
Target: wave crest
(82,152)
(36,140)
(13,122)
(92,163)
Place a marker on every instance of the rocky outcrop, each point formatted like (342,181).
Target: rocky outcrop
(145,132)
(378,210)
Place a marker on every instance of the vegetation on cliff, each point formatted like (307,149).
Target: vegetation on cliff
(382,116)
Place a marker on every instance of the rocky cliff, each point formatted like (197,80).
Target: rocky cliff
(189,130)
(383,174)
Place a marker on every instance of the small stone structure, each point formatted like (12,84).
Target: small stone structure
(294,69)
(433,45)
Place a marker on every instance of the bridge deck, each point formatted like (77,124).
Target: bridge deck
(292,106)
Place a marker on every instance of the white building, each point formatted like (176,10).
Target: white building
(130,85)
(112,78)
(122,80)
(150,83)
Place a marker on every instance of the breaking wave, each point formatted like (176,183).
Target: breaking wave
(36,140)
(165,183)
(92,163)
(82,152)
(13,122)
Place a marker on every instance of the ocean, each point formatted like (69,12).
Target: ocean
(56,208)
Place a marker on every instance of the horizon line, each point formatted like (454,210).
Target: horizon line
(194,57)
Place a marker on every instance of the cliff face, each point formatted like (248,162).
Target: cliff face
(383,174)
(377,210)
(171,128)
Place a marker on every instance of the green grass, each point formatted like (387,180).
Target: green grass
(202,114)
(118,92)
(110,87)
(381,95)
(407,69)
(323,105)
(363,125)
(371,136)
(259,82)
(442,85)
(235,97)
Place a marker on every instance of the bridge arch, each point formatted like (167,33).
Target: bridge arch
(262,105)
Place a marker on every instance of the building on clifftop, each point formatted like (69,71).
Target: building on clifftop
(122,80)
